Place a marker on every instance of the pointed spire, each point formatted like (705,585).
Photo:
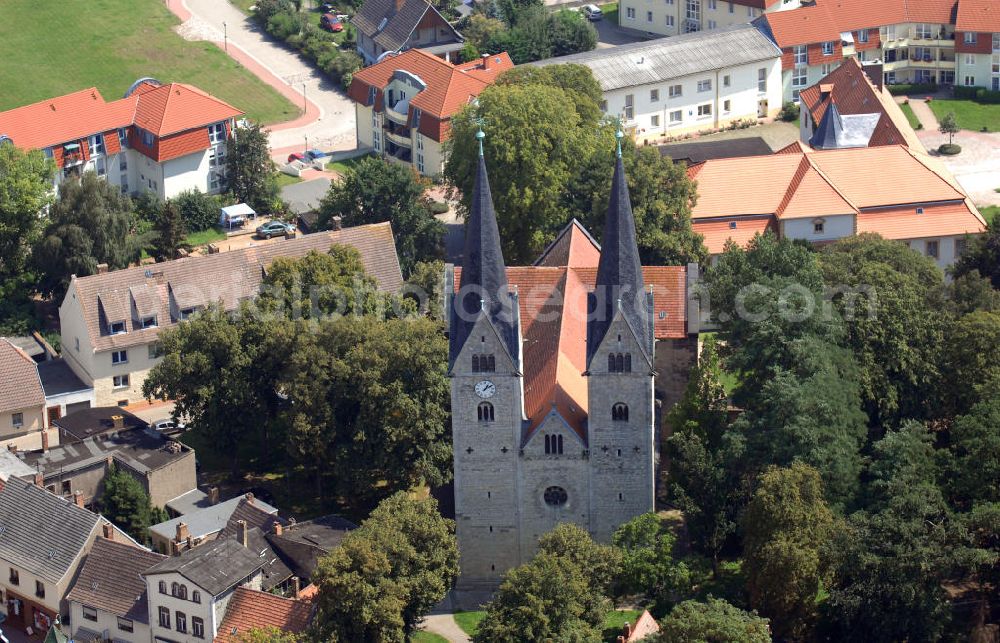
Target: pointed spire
(483,287)
(619,273)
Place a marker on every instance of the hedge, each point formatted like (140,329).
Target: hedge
(912,88)
(978,94)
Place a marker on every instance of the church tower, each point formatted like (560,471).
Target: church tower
(485,364)
(620,339)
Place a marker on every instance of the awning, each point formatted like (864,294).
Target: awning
(71,146)
(847,38)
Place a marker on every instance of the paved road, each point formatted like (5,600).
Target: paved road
(329,118)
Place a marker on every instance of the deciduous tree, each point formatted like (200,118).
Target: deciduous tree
(375,191)
(600,563)
(974,468)
(170,232)
(250,172)
(386,575)
(125,503)
(949,126)
(971,363)
(713,620)
(787,526)
(982,253)
(649,564)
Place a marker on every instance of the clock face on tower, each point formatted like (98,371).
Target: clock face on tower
(486,389)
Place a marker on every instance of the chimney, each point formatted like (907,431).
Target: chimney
(45,441)
(39,479)
(336,223)
(278,529)
(241,532)
(249,498)
(118,421)
(78,499)
(102,268)
(108,531)
(296,587)
(213,495)
(627,631)
(12,448)
(182,532)
(486,61)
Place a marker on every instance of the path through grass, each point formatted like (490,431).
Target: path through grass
(910,116)
(53,48)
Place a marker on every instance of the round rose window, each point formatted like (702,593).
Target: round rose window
(555,496)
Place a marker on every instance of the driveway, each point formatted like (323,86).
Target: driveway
(329,119)
(977,168)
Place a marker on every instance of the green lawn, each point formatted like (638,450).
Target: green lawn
(287,179)
(427,637)
(989,212)
(343,166)
(610,12)
(970,115)
(615,620)
(910,116)
(205,236)
(469,621)
(111,43)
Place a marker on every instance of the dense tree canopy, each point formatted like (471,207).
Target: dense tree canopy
(971,362)
(975,454)
(375,191)
(982,253)
(649,566)
(125,503)
(386,575)
(713,621)
(170,232)
(90,223)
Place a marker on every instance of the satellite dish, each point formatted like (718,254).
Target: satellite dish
(135,85)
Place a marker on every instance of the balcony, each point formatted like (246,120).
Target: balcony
(398,139)
(71,158)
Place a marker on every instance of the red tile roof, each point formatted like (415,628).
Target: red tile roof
(717,233)
(162,110)
(449,87)
(553,307)
(573,247)
(249,609)
(936,221)
(20,386)
(981,16)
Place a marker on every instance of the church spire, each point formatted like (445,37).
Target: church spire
(619,273)
(483,287)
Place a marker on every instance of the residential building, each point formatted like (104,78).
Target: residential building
(110,321)
(163,139)
(675,17)
(404,104)
(109,601)
(688,83)
(822,196)
(934,41)
(65,394)
(96,421)
(188,593)
(22,399)
(977,43)
(204,525)
(847,109)
(165,468)
(391,26)
(552,384)
(44,540)
(250,609)
(301,544)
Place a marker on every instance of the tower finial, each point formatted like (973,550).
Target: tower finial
(618,136)
(480,135)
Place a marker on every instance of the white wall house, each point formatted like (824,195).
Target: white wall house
(675,17)
(688,83)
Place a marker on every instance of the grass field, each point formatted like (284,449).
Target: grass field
(111,43)
(288,179)
(202,237)
(469,621)
(343,166)
(990,212)
(427,637)
(969,114)
(910,116)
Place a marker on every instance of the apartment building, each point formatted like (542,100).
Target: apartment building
(163,139)
(109,322)
(391,26)
(687,83)
(914,42)
(824,195)
(22,399)
(404,103)
(673,17)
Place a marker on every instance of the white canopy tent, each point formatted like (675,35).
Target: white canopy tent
(236,215)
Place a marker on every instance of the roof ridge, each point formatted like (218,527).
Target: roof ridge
(793,185)
(829,182)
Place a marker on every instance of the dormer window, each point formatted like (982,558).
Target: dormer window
(217,133)
(147,138)
(96,144)
(116,328)
(187,312)
(147,322)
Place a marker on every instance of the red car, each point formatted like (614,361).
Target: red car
(330,22)
(296,156)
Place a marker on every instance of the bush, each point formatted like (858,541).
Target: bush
(199,211)
(789,112)
(950,149)
(438,207)
(284,25)
(147,205)
(912,88)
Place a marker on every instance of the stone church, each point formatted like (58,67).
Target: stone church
(556,383)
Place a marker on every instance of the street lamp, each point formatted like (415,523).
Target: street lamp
(305,105)
(225,36)
(307,146)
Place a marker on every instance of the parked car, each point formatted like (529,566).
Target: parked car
(274,229)
(331,22)
(312,155)
(167,425)
(297,156)
(592,11)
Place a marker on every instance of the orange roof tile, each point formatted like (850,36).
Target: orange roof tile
(936,221)
(448,87)
(827,19)
(177,107)
(743,185)
(717,233)
(796,147)
(249,609)
(982,16)
(802,26)
(573,247)
(935,11)
(811,195)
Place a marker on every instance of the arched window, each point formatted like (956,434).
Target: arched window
(619,412)
(555,496)
(163,587)
(475,363)
(484,412)
(628,363)
(611,362)
(196,596)
(553,444)
(620,363)
(174,589)
(182,592)
(491,363)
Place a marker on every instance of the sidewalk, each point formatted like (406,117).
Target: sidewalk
(924,114)
(328,121)
(445,625)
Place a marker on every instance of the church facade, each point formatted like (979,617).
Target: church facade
(554,398)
